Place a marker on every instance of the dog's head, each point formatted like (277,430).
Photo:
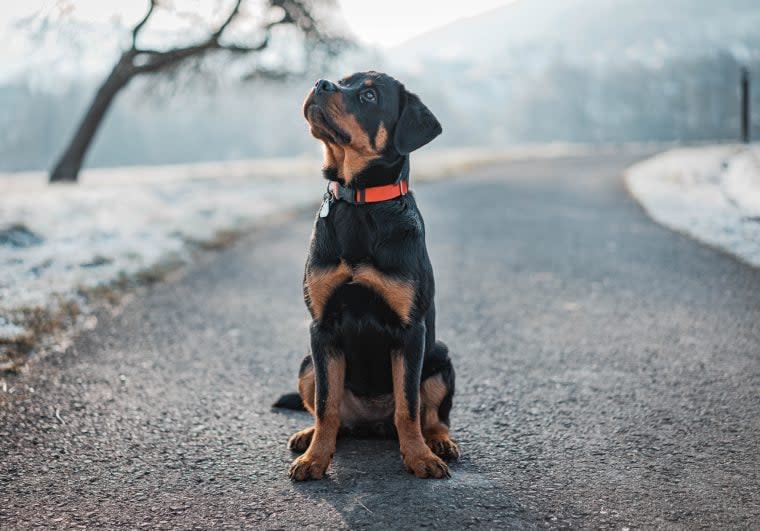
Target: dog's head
(368,121)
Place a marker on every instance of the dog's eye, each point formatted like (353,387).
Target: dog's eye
(368,96)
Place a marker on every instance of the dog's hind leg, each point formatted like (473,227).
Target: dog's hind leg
(329,375)
(437,392)
(407,371)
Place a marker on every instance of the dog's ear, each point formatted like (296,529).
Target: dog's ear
(416,125)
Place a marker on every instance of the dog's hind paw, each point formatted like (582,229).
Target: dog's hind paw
(301,440)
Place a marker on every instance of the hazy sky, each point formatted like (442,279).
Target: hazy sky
(384,23)
(393,21)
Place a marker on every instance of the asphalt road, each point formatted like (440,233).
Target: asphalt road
(608,376)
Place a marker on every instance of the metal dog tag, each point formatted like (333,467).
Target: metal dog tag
(325,206)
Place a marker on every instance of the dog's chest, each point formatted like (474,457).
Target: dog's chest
(353,237)
(353,248)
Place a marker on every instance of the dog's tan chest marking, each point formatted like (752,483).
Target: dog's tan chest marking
(398,294)
(321,283)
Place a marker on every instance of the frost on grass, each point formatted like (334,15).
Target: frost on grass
(62,244)
(710,193)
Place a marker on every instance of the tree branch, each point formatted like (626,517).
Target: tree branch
(142,23)
(236,48)
(143,60)
(157,60)
(300,14)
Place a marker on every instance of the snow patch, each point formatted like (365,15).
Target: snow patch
(58,241)
(710,193)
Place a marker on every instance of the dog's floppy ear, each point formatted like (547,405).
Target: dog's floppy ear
(416,125)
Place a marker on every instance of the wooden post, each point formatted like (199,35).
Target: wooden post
(745,106)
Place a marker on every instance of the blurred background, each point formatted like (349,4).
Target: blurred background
(495,72)
(185,116)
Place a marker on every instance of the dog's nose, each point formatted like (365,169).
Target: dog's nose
(323,85)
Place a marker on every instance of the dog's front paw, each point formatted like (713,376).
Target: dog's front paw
(425,464)
(301,440)
(443,447)
(308,466)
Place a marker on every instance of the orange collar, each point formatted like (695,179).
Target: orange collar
(373,194)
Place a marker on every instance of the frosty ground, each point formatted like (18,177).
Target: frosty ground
(65,248)
(709,193)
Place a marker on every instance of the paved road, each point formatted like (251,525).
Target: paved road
(608,375)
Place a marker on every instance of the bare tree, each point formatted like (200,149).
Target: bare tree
(299,14)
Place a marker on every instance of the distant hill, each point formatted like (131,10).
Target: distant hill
(588,70)
(593,31)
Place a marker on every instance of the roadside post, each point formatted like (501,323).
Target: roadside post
(745,106)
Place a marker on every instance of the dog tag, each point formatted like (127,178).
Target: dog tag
(325,206)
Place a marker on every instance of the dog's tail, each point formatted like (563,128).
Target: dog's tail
(290,401)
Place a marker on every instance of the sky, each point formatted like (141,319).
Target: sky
(392,22)
(383,24)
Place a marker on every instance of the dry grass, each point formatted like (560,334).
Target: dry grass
(221,240)
(40,323)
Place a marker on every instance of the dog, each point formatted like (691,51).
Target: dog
(368,284)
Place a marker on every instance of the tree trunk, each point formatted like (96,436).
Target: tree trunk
(68,166)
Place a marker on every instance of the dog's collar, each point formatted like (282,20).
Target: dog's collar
(372,194)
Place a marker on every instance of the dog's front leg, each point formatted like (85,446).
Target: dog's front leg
(329,374)
(407,371)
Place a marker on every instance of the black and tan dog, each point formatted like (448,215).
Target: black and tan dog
(369,284)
